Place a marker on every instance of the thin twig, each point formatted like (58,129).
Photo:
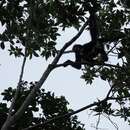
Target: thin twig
(112,122)
(18,86)
(109,92)
(98,121)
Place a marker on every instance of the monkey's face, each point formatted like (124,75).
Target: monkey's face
(77,48)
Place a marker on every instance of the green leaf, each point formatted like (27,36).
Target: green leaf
(35,54)
(2,45)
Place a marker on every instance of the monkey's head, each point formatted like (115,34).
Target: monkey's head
(77,48)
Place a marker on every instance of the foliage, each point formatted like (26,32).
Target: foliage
(33,25)
(45,106)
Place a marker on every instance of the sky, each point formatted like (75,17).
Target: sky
(62,81)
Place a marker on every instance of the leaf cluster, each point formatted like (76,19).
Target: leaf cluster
(45,106)
(35,24)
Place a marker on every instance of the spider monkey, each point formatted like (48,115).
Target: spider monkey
(89,52)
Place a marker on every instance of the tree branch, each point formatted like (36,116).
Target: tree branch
(69,43)
(74,112)
(63,116)
(30,97)
(17,90)
(69,51)
(109,92)
(112,122)
(19,84)
(88,63)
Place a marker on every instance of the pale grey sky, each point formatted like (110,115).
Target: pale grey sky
(62,81)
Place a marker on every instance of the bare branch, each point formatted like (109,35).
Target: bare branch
(108,94)
(88,63)
(98,121)
(69,51)
(18,87)
(19,84)
(112,122)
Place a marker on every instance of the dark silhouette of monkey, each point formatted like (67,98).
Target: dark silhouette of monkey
(92,52)
(87,54)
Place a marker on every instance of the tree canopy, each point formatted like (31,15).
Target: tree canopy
(31,29)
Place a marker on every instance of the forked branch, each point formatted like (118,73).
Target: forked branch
(43,78)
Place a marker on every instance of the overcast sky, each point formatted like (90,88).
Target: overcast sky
(62,81)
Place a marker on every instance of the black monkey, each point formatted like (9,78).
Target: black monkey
(89,52)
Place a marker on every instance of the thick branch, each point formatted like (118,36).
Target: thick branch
(69,43)
(30,97)
(74,112)
(88,63)
(63,116)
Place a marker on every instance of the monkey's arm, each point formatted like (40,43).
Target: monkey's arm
(93,25)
